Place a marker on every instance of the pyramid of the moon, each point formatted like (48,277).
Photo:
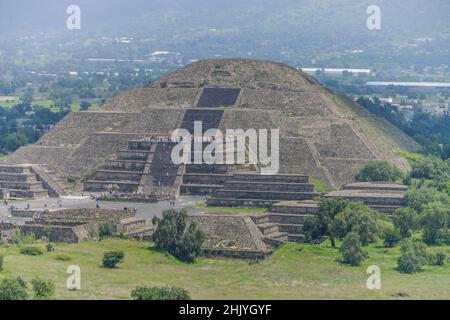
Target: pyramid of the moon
(321,135)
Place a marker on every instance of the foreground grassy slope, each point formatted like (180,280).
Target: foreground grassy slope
(295,271)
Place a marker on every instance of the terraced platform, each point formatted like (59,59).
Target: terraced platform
(255,190)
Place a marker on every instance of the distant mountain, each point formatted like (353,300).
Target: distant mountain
(261,28)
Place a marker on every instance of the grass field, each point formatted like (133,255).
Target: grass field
(295,271)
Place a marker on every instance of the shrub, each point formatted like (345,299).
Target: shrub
(419,198)
(435,221)
(318,226)
(62,257)
(413,256)
(50,247)
(1,263)
(351,250)
(112,258)
(357,218)
(12,289)
(31,251)
(440,259)
(405,220)
(391,237)
(160,293)
(173,237)
(42,289)
(106,230)
(379,171)
(24,238)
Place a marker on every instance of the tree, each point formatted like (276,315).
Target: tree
(172,236)
(112,258)
(391,237)
(84,105)
(317,227)
(12,289)
(13,141)
(435,222)
(42,289)
(160,293)
(358,218)
(379,171)
(351,250)
(413,256)
(106,229)
(417,199)
(405,220)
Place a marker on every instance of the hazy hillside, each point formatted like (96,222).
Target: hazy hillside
(189,20)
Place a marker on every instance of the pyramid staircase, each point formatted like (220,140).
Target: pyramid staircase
(290,216)
(29,182)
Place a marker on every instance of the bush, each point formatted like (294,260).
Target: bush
(112,258)
(172,236)
(351,250)
(318,226)
(440,259)
(419,198)
(24,238)
(12,289)
(405,220)
(50,247)
(31,251)
(62,257)
(435,222)
(42,289)
(1,263)
(106,230)
(391,237)
(413,256)
(160,293)
(379,171)
(357,218)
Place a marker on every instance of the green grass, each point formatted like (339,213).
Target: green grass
(229,209)
(320,186)
(411,156)
(294,271)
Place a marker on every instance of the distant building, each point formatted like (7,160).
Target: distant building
(336,71)
(430,85)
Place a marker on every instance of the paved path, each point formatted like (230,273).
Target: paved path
(144,210)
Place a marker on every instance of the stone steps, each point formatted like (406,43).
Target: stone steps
(269,186)
(295,207)
(54,187)
(205,178)
(292,237)
(115,175)
(233,202)
(266,195)
(27,194)
(291,228)
(280,178)
(199,189)
(268,228)
(385,209)
(286,218)
(123,186)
